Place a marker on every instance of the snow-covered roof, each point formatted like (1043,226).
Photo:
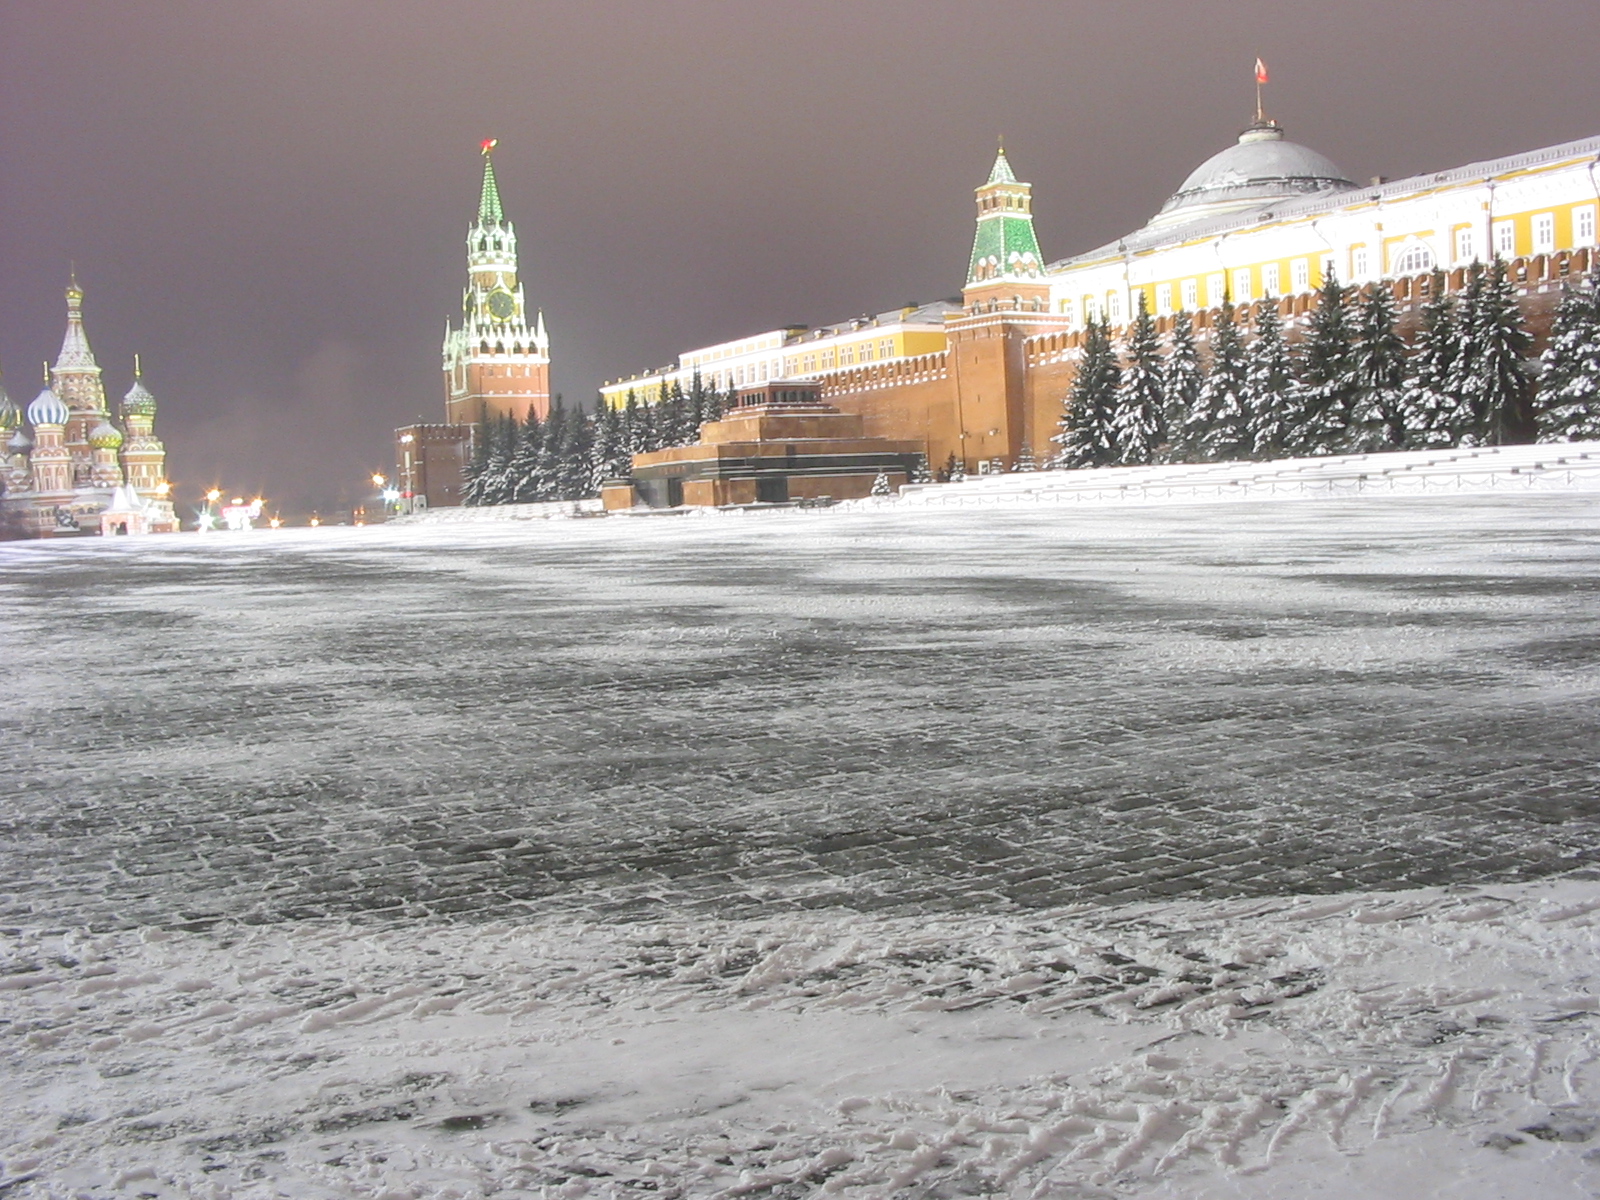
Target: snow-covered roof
(1262,165)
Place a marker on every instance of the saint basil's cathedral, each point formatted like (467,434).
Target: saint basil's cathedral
(72,466)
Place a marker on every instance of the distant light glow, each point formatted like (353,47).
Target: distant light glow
(379,480)
(213,495)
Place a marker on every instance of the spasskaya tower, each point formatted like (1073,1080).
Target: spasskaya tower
(497,364)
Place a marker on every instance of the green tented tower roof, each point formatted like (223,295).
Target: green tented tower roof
(1004,246)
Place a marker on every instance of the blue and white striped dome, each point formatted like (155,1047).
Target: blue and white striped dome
(48,409)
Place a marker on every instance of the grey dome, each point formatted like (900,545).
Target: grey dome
(1260,168)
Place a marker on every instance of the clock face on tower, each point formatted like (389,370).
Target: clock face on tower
(501,305)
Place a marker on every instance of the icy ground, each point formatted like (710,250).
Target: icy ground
(1228,852)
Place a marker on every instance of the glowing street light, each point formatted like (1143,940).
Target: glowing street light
(379,480)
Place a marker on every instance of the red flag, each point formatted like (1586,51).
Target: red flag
(1261,71)
(489,144)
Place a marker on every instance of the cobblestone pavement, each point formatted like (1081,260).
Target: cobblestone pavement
(742,716)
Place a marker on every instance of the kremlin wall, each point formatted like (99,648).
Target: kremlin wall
(1264,221)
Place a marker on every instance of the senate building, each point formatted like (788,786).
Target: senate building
(1262,221)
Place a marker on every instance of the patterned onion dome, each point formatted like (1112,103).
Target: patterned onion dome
(10,418)
(47,409)
(139,402)
(105,436)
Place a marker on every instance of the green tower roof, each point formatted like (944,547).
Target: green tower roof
(1005,246)
(489,211)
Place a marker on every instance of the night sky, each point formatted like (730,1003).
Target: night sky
(268,200)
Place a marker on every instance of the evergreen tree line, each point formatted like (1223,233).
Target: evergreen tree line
(569,454)
(1352,385)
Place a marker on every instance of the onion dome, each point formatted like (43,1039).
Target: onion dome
(10,418)
(47,409)
(1260,168)
(20,442)
(139,402)
(105,436)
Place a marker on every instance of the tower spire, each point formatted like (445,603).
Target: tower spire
(489,211)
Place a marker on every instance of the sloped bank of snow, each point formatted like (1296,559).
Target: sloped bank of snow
(1414,1044)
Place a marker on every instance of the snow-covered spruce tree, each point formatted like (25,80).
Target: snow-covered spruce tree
(1268,375)
(639,424)
(476,469)
(698,402)
(1026,462)
(502,437)
(1321,399)
(1464,382)
(1569,390)
(947,473)
(1505,392)
(920,472)
(610,448)
(1427,409)
(546,479)
(577,459)
(522,469)
(1219,428)
(1180,385)
(1086,437)
(1378,369)
(1139,424)
(880,485)
(958,468)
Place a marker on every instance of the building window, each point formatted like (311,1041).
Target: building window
(1465,251)
(1358,263)
(1544,233)
(1068,310)
(1241,285)
(1114,306)
(1270,282)
(1191,294)
(1505,238)
(886,348)
(1216,285)
(1583,226)
(1163,299)
(1091,310)
(1300,274)
(847,356)
(1412,259)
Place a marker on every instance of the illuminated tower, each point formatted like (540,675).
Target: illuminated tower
(76,381)
(496,364)
(1006,301)
(144,458)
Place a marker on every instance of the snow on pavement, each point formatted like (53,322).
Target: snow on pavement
(1231,852)
(1426,1043)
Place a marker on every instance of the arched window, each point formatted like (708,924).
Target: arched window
(1412,259)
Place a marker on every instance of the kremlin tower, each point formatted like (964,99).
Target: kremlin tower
(496,364)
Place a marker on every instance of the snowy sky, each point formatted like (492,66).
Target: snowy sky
(268,200)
